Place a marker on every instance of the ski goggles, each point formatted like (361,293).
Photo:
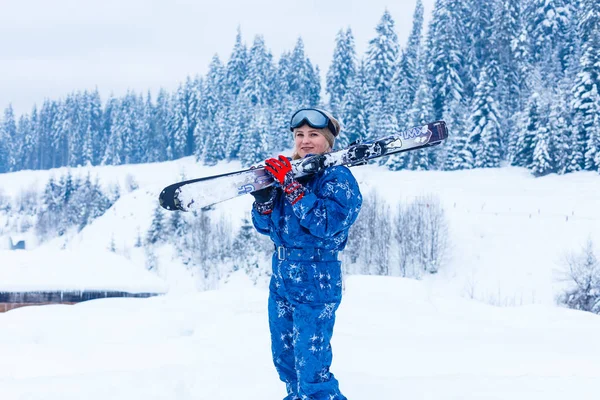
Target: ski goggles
(314,118)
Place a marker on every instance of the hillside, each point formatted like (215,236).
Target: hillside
(509,231)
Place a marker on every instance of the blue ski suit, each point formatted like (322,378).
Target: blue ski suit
(306,286)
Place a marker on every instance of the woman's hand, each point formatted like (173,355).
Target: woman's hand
(281,171)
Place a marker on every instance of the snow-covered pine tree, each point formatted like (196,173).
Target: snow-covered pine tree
(382,61)
(216,102)
(354,116)
(544,146)
(445,58)
(484,127)
(548,22)
(583,92)
(256,89)
(279,136)
(21,147)
(157,227)
(303,80)
(237,124)
(158,142)
(42,127)
(254,148)
(506,27)
(421,112)
(115,144)
(48,216)
(592,155)
(525,144)
(28,132)
(179,123)
(455,154)
(237,66)
(8,140)
(410,71)
(342,70)
(383,123)
(247,248)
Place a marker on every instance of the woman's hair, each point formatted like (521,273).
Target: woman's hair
(325,132)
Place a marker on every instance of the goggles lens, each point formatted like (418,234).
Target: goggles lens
(313,118)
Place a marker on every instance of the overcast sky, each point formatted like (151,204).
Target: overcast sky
(51,48)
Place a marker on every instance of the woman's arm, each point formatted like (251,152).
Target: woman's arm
(335,208)
(261,221)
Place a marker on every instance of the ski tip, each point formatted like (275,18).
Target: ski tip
(168,200)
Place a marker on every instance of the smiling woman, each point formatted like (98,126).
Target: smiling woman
(314,130)
(308,221)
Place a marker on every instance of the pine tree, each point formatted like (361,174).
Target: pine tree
(254,149)
(302,79)
(506,29)
(456,154)
(523,156)
(548,22)
(157,227)
(247,249)
(257,86)
(382,61)
(8,137)
(342,70)
(484,128)
(410,70)
(583,91)
(445,55)
(237,124)
(544,146)
(22,148)
(237,66)
(212,127)
(592,155)
(421,112)
(354,116)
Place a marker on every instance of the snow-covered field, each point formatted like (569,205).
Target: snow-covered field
(395,338)
(509,232)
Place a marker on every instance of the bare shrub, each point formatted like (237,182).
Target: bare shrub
(369,239)
(421,235)
(583,274)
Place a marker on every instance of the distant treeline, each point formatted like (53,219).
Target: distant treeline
(516,80)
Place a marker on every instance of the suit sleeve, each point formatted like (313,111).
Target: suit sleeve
(335,208)
(261,222)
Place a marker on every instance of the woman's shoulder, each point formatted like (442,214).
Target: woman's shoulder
(338,172)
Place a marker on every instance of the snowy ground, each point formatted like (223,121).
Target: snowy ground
(395,339)
(509,231)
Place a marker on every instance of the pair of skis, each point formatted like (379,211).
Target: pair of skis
(202,193)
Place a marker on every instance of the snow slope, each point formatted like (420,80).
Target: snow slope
(395,339)
(509,231)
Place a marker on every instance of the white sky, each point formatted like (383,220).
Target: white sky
(51,48)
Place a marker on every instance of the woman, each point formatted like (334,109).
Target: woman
(308,221)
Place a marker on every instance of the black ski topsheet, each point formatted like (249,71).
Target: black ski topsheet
(202,193)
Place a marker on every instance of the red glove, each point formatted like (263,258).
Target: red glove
(281,170)
(278,169)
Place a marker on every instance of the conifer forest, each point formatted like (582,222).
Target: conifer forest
(517,81)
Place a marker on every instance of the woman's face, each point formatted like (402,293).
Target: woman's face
(309,141)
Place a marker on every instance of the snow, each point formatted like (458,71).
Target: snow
(509,231)
(440,338)
(394,338)
(47,269)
